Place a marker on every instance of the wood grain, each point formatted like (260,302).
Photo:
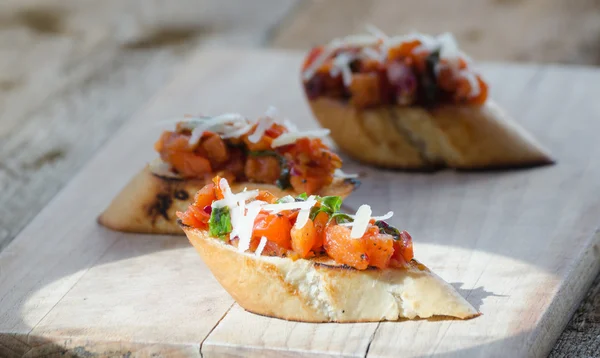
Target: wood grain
(519,245)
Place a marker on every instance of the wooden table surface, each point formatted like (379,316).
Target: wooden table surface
(71,72)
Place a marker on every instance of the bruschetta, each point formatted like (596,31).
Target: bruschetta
(268,154)
(412,102)
(300,258)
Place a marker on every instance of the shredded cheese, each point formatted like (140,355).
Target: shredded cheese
(361,221)
(261,246)
(244,195)
(302,205)
(217,124)
(304,213)
(340,174)
(291,137)
(263,124)
(341,63)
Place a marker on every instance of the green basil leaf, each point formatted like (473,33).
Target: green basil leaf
(429,79)
(388,229)
(220,222)
(341,218)
(332,203)
(302,197)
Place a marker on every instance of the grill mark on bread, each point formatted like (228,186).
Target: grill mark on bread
(417,143)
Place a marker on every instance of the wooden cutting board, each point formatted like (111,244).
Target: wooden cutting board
(521,246)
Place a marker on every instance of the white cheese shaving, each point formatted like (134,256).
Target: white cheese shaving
(261,246)
(244,195)
(383,217)
(341,63)
(272,112)
(373,54)
(304,213)
(375,31)
(244,232)
(291,137)
(263,124)
(237,132)
(302,205)
(361,221)
(217,124)
(338,173)
(289,125)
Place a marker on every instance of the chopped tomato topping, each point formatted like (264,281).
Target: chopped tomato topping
(195,217)
(312,56)
(340,247)
(320,223)
(304,239)
(275,227)
(266,196)
(378,82)
(263,169)
(318,236)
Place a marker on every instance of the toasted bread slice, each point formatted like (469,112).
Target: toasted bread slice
(324,291)
(461,137)
(149,201)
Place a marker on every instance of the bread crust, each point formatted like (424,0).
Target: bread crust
(323,291)
(148,203)
(400,137)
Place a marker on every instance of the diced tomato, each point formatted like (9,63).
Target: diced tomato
(275,227)
(312,56)
(365,90)
(320,223)
(265,141)
(403,50)
(445,79)
(340,247)
(379,247)
(304,239)
(483,92)
(263,169)
(403,250)
(205,196)
(215,149)
(266,196)
(218,192)
(194,217)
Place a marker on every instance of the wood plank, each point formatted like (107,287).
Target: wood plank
(518,244)
(542,31)
(258,336)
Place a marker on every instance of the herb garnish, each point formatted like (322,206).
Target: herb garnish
(220,222)
(429,86)
(388,229)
